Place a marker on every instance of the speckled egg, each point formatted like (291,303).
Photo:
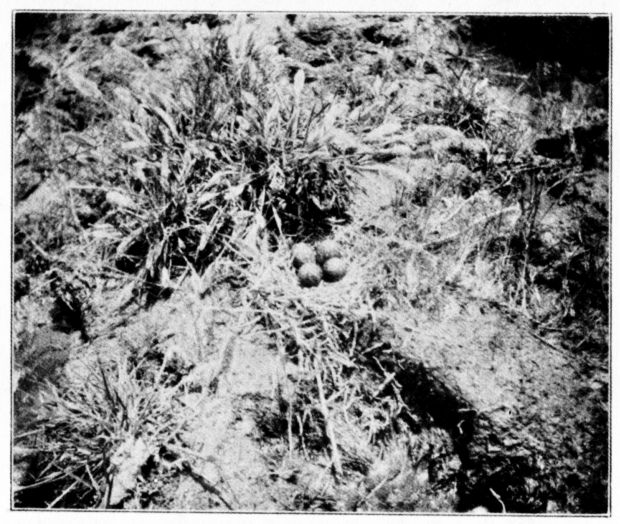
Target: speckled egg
(303,254)
(334,269)
(310,275)
(327,249)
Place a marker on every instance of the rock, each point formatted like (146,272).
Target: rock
(42,355)
(26,182)
(41,203)
(127,461)
(487,380)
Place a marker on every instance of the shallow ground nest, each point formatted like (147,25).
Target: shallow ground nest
(339,398)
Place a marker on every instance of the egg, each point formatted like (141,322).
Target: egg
(334,269)
(327,249)
(310,275)
(303,254)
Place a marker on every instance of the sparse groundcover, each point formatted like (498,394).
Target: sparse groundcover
(175,345)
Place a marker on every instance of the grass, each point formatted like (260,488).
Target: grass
(336,335)
(212,161)
(540,189)
(183,181)
(187,175)
(80,428)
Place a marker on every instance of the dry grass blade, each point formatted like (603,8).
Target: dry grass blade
(329,426)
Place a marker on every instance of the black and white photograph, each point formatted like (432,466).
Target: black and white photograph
(310,262)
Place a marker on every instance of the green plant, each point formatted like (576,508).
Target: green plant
(372,101)
(81,425)
(194,171)
(464,104)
